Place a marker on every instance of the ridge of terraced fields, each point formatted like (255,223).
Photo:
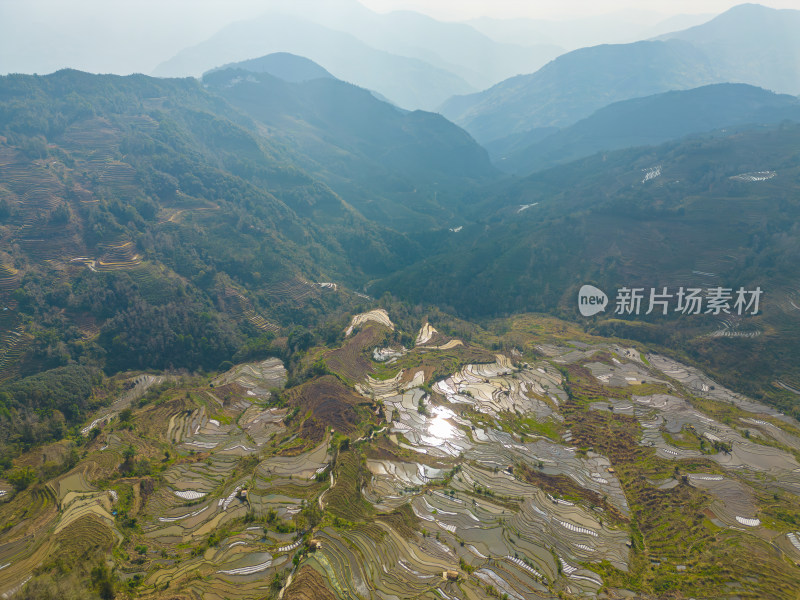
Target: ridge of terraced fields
(531,461)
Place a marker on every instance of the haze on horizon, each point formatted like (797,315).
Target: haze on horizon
(460,10)
(42,36)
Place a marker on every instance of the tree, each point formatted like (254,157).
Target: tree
(310,516)
(103,582)
(129,453)
(300,339)
(21,478)
(421,407)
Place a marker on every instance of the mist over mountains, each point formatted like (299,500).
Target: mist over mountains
(283,65)
(410,82)
(414,60)
(396,167)
(647,121)
(578,83)
(751,44)
(618,27)
(747,44)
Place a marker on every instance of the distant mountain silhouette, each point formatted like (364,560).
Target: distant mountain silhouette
(752,44)
(617,27)
(576,84)
(408,82)
(652,120)
(283,65)
(455,47)
(747,44)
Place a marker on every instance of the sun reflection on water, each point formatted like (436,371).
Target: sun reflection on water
(441,429)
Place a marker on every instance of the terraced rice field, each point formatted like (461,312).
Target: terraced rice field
(379,316)
(120,254)
(137,387)
(595,470)
(558,538)
(293,291)
(352,361)
(257,379)
(150,280)
(754,176)
(33,188)
(13,341)
(243,308)
(9,278)
(118,175)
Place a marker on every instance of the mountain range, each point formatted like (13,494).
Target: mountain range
(349,188)
(577,83)
(456,47)
(404,169)
(647,121)
(409,82)
(413,60)
(751,44)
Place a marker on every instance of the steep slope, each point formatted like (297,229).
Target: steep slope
(578,83)
(704,212)
(409,82)
(753,44)
(652,120)
(405,169)
(750,44)
(131,202)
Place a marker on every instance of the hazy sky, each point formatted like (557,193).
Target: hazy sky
(200,10)
(466,9)
(202,15)
(124,36)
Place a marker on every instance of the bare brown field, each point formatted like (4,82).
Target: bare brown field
(307,584)
(330,402)
(351,361)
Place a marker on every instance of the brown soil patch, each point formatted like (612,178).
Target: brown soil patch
(308,585)
(331,403)
(350,361)
(229,393)
(403,521)
(561,484)
(313,430)
(383,449)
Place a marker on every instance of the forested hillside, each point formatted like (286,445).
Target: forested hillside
(146,224)
(715,210)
